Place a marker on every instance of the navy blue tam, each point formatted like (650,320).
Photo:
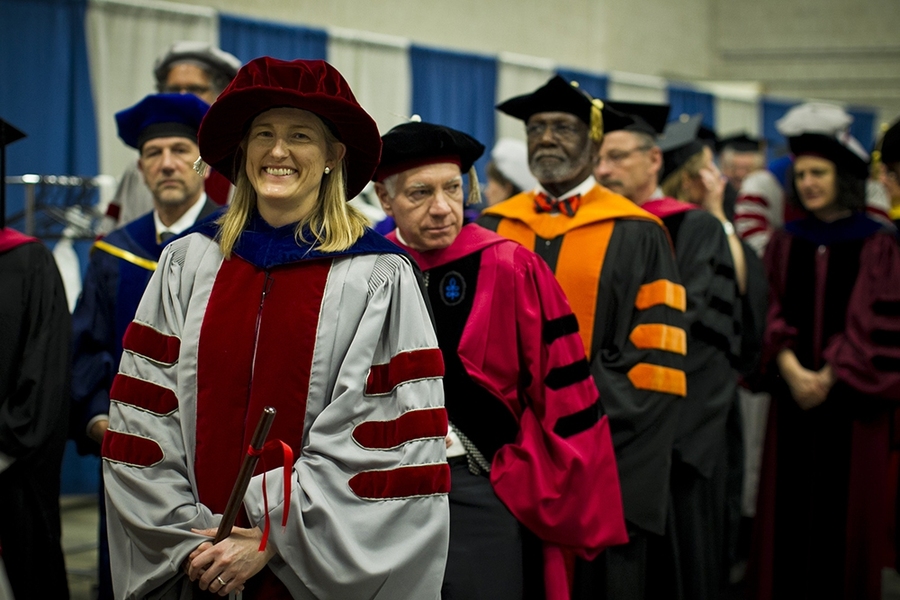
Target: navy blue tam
(161,115)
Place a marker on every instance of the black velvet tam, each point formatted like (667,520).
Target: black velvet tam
(739,143)
(415,144)
(830,148)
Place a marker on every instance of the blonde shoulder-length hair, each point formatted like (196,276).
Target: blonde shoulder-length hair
(673,185)
(334,224)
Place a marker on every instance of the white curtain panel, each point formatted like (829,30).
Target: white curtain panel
(632,87)
(517,75)
(737,107)
(734,116)
(125,37)
(378,71)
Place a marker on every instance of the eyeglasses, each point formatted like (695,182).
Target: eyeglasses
(197,90)
(559,130)
(616,157)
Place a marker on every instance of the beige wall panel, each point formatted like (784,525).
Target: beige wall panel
(561,29)
(822,44)
(845,51)
(656,37)
(630,87)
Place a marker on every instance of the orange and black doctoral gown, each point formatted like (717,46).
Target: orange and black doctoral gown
(616,265)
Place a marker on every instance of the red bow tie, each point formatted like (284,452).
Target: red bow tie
(568,206)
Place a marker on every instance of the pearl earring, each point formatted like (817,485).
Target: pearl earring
(327,170)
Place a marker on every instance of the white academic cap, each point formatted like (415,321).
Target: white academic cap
(220,61)
(814,117)
(510,156)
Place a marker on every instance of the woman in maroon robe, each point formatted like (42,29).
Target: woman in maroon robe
(832,353)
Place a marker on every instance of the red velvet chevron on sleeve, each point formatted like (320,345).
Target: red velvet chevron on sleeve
(410,426)
(131,449)
(402,482)
(150,343)
(144,395)
(427,363)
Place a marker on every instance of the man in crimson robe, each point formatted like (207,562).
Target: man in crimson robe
(533,472)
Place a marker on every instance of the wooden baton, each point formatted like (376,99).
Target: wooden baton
(245,474)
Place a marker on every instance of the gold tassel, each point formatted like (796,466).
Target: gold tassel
(200,166)
(596,120)
(875,157)
(474,188)
(596,114)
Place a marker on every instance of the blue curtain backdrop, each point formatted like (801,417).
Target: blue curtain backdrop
(771,110)
(594,84)
(457,90)
(863,127)
(251,38)
(686,100)
(45,91)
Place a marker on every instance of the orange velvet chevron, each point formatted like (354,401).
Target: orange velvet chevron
(661,291)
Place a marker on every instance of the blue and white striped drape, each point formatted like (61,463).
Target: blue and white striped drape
(251,38)
(686,100)
(593,83)
(457,90)
(55,55)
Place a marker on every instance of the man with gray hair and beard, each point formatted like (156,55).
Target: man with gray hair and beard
(616,266)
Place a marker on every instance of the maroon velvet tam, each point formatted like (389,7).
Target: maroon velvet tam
(314,85)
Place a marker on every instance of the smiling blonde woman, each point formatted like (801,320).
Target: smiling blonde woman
(287,301)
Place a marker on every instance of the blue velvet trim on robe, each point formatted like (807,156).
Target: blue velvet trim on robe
(266,247)
(855,227)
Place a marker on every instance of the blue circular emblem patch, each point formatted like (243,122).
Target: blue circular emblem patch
(453,288)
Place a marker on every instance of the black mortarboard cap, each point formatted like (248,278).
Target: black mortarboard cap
(415,144)
(739,143)
(680,141)
(830,148)
(558,95)
(890,144)
(161,115)
(8,135)
(635,116)
(707,135)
